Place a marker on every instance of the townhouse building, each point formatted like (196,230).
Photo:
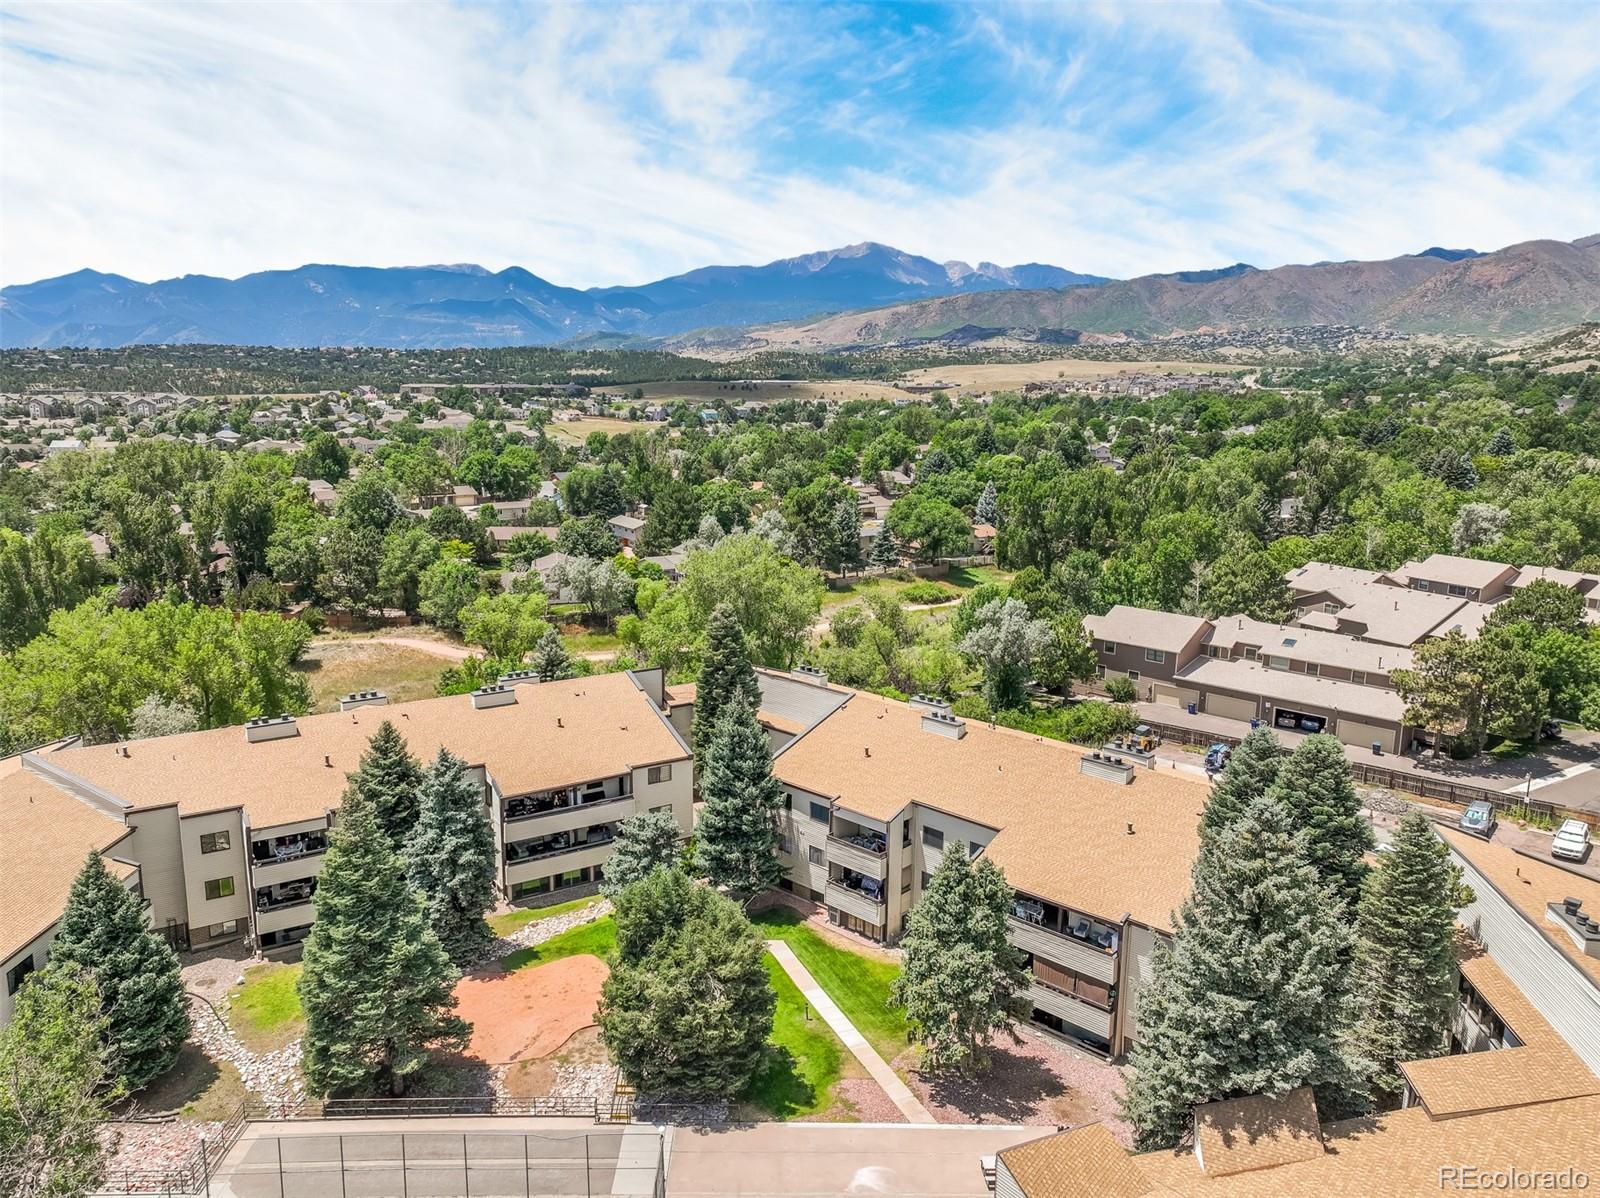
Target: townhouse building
(224,832)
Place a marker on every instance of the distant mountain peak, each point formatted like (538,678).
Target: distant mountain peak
(1444,255)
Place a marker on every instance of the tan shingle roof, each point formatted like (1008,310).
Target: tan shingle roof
(1542,1069)
(555,734)
(1309,644)
(1086,1162)
(1447,568)
(1396,615)
(1259,1132)
(1063,836)
(45,834)
(1144,627)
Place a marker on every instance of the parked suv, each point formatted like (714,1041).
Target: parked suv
(1572,840)
(1478,819)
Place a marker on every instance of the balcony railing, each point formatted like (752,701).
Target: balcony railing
(264,852)
(556,850)
(516,814)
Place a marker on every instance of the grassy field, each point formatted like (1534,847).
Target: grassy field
(504,925)
(771,390)
(1005,376)
(858,981)
(265,1012)
(578,430)
(961,579)
(597,939)
(806,1059)
(337,667)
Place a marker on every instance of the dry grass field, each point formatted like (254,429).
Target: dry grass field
(770,390)
(1005,376)
(578,430)
(337,666)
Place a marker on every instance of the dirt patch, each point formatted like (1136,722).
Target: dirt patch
(1036,1080)
(863,1100)
(530,1013)
(531,1078)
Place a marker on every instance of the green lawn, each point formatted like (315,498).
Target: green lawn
(967,577)
(265,1012)
(805,1058)
(597,939)
(1508,750)
(857,982)
(592,642)
(504,925)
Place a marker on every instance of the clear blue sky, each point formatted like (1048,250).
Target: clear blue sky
(614,143)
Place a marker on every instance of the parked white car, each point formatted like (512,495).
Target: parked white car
(1572,840)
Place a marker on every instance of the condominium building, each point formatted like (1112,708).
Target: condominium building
(224,831)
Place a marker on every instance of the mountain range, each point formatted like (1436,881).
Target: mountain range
(1528,287)
(443,306)
(861,295)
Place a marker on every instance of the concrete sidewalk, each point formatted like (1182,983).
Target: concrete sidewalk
(875,1065)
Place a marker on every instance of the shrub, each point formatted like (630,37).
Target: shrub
(1122,690)
(925,591)
(1091,723)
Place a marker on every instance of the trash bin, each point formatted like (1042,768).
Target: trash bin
(1377,748)
(1254,724)
(1192,709)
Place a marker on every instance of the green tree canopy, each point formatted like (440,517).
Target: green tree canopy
(736,839)
(451,858)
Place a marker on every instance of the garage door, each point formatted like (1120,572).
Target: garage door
(1353,732)
(1174,696)
(1231,707)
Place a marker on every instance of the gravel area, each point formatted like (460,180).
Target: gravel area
(866,1102)
(1037,1080)
(137,1147)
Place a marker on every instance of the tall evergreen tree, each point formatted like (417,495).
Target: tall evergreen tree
(1405,958)
(1315,787)
(646,842)
(725,672)
(103,932)
(846,548)
(56,1087)
(962,981)
(388,777)
(1251,770)
(1252,997)
(377,986)
(885,553)
(550,659)
(989,506)
(691,1015)
(736,840)
(450,857)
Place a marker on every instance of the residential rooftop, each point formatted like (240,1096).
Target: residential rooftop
(1062,836)
(554,735)
(1309,644)
(1296,689)
(1146,627)
(1450,569)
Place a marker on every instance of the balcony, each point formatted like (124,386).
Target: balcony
(1071,1010)
(1081,955)
(865,853)
(562,842)
(264,874)
(280,849)
(286,894)
(858,896)
(576,798)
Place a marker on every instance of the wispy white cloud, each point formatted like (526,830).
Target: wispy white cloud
(609,143)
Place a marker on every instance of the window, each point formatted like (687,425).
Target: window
(659,773)
(905,832)
(214,842)
(1358,677)
(1313,669)
(1156,655)
(1133,675)
(905,879)
(226,928)
(1277,663)
(1108,647)
(16,974)
(819,812)
(1457,589)
(660,809)
(815,855)
(219,888)
(785,844)
(1250,653)
(1331,608)
(1420,585)
(932,837)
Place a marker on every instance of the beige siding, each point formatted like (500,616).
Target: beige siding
(1138,964)
(200,868)
(39,951)
(155,846)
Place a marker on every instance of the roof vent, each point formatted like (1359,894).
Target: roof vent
(929,703)
(270,727)
(810,674)
(363,699)
(493,695)
(518,677)
(942,723)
